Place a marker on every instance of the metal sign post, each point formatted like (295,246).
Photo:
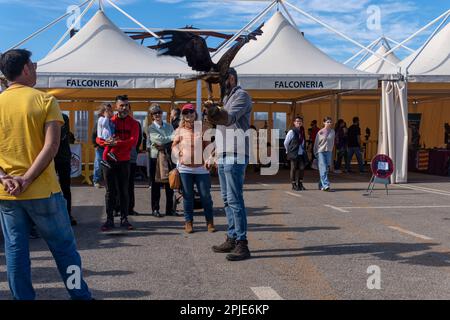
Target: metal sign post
(382,168)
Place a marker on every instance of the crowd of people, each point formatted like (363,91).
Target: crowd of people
(35,170)
(346,142)
(35,166)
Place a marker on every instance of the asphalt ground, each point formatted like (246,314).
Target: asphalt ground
(305,245)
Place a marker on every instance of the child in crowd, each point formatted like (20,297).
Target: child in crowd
(105,131)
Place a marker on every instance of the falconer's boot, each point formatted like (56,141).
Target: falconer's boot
(241,252)
(226,247)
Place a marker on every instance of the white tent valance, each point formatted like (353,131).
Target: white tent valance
(101,56)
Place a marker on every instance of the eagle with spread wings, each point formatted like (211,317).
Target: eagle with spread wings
(194,48)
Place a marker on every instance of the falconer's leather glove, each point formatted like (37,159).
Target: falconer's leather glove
(216,114)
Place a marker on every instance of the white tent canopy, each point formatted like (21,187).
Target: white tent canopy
(100,55)
(376,65)
(282,59)
(433,62)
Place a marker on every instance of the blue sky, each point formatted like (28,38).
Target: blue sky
(398,19)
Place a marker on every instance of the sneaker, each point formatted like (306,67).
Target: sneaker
(241,252)
(156,213)
(97,185)
(125,224)
(189,227)
(112,156)
(108,225)
(105,164)
(210,226)
(294,186)
(300,186)
(228,246)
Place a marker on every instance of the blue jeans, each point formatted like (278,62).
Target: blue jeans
(98,174)
(52,222)
(324,165)
(203,182)
(231,177)
(357,151)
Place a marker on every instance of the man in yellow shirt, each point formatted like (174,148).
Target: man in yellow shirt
(30,128)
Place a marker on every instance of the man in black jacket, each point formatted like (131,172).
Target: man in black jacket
(63,167)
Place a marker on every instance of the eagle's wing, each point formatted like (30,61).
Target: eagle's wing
(225,61)
(186,44)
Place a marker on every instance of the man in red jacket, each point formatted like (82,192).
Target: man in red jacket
(116,176)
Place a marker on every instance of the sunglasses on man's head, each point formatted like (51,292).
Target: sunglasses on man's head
(186,112)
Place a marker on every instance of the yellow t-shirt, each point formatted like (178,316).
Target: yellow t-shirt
(23,114)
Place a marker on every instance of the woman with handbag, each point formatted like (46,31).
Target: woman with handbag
(160,135)
(296,153)
(192,168)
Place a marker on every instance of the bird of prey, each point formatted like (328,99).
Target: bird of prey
(194,48)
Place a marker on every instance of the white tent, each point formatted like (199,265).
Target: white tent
(101,56)
(282,59)
(376,65)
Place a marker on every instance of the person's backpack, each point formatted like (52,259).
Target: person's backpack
(292,149)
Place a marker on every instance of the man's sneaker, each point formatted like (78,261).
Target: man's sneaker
(300,186)
(108,225)
(125,224)
(112,156)
(241,252)
(294,186)
(97,185)
(228,246)
(105,164)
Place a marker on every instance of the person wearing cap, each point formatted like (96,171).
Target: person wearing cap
(233,159)
(187,142)
(160,135)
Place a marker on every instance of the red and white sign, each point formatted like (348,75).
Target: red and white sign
(382,166)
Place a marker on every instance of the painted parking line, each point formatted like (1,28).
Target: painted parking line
(336,208)
(264,185)
(346,209)
(294,194)
(416,235)
(397,207)
(266,293)
(429,190)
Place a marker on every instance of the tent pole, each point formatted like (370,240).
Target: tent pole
(135,21)
(418,32)
(362,50)
(427,42)
(100,5)
(78,19)
(339,33)
(403,46)
(199,98)
(289,15)
(373,43)
(248,25)
(366,54)
(46,27)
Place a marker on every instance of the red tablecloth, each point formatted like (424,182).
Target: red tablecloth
(439,160)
